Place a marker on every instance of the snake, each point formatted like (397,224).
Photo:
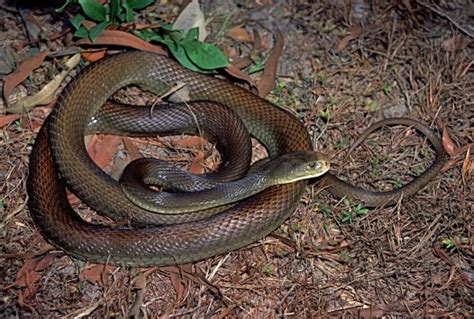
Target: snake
(59,159)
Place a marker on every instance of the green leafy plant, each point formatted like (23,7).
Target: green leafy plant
(114,12)
(267,269)
(449,244)
(355,210)
(187,49)
(184,46)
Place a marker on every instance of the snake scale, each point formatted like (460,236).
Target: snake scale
(59,151)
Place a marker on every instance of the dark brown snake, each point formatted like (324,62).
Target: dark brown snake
(59,151)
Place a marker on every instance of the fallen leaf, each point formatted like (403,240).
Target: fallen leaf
(97,274)
(239,34)
(176,281)
(47,94)
(467,168)
(191,17)
(93,56)
(102,149)
(132,149)
(448,143)
(240,75)
(115,37)
(189,142)
(33,26)
(242,63)
(27,274)
(44,262)
(267,81)
(196,167)
(7,119)
(455,43)
(13,79)
(352,34)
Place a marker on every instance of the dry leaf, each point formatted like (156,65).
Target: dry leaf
(448,143)
(239,34)
(44,262)
(352,34)
(115,37)
(267,81)
(196,167)
(177,285)
(93,56)
(467,168)
(13,79)
(47,93)
(7,119)
(102,149)
(97,274)
(131,148)
(240,75)
(191,17)
(190,142)
(455,43)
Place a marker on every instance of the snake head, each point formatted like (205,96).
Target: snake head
(295,166)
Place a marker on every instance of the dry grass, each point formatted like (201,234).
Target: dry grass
(386,261)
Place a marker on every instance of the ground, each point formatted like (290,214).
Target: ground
(345,65)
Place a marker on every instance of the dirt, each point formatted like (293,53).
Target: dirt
(345,65)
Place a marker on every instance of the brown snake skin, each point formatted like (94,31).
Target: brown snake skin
(59,151)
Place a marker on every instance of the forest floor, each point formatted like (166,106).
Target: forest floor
(343,67)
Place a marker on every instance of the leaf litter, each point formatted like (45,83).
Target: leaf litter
(325,267)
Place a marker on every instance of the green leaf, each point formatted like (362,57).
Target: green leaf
(128,12)
(149,35)
(139,4)
(96,30)
(115,9)
(94,10)
(193,34)
(81,33)
(77,21)
(205,55)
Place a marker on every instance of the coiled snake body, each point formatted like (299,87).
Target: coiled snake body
(59,151)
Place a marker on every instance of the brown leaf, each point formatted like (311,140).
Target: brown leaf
(242,63)
(177,285)
(27,275)
(191,142)
(93,56)
(196,167)
(267,81)
(239,34)
(44,262)
(47,94)
(25,69)
(97,274)
(352,34)
(448,143)
(455,43)
(132,149)
(115,37)
(102,149)
(7,119)
(240,75)
(467,168)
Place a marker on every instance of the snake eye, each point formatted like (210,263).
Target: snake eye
(314,165)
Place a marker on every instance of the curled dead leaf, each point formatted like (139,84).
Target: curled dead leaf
(239,34)
(268,80)
(47,93)
(124,39)
(13,79)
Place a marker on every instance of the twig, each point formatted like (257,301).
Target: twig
(438,11)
